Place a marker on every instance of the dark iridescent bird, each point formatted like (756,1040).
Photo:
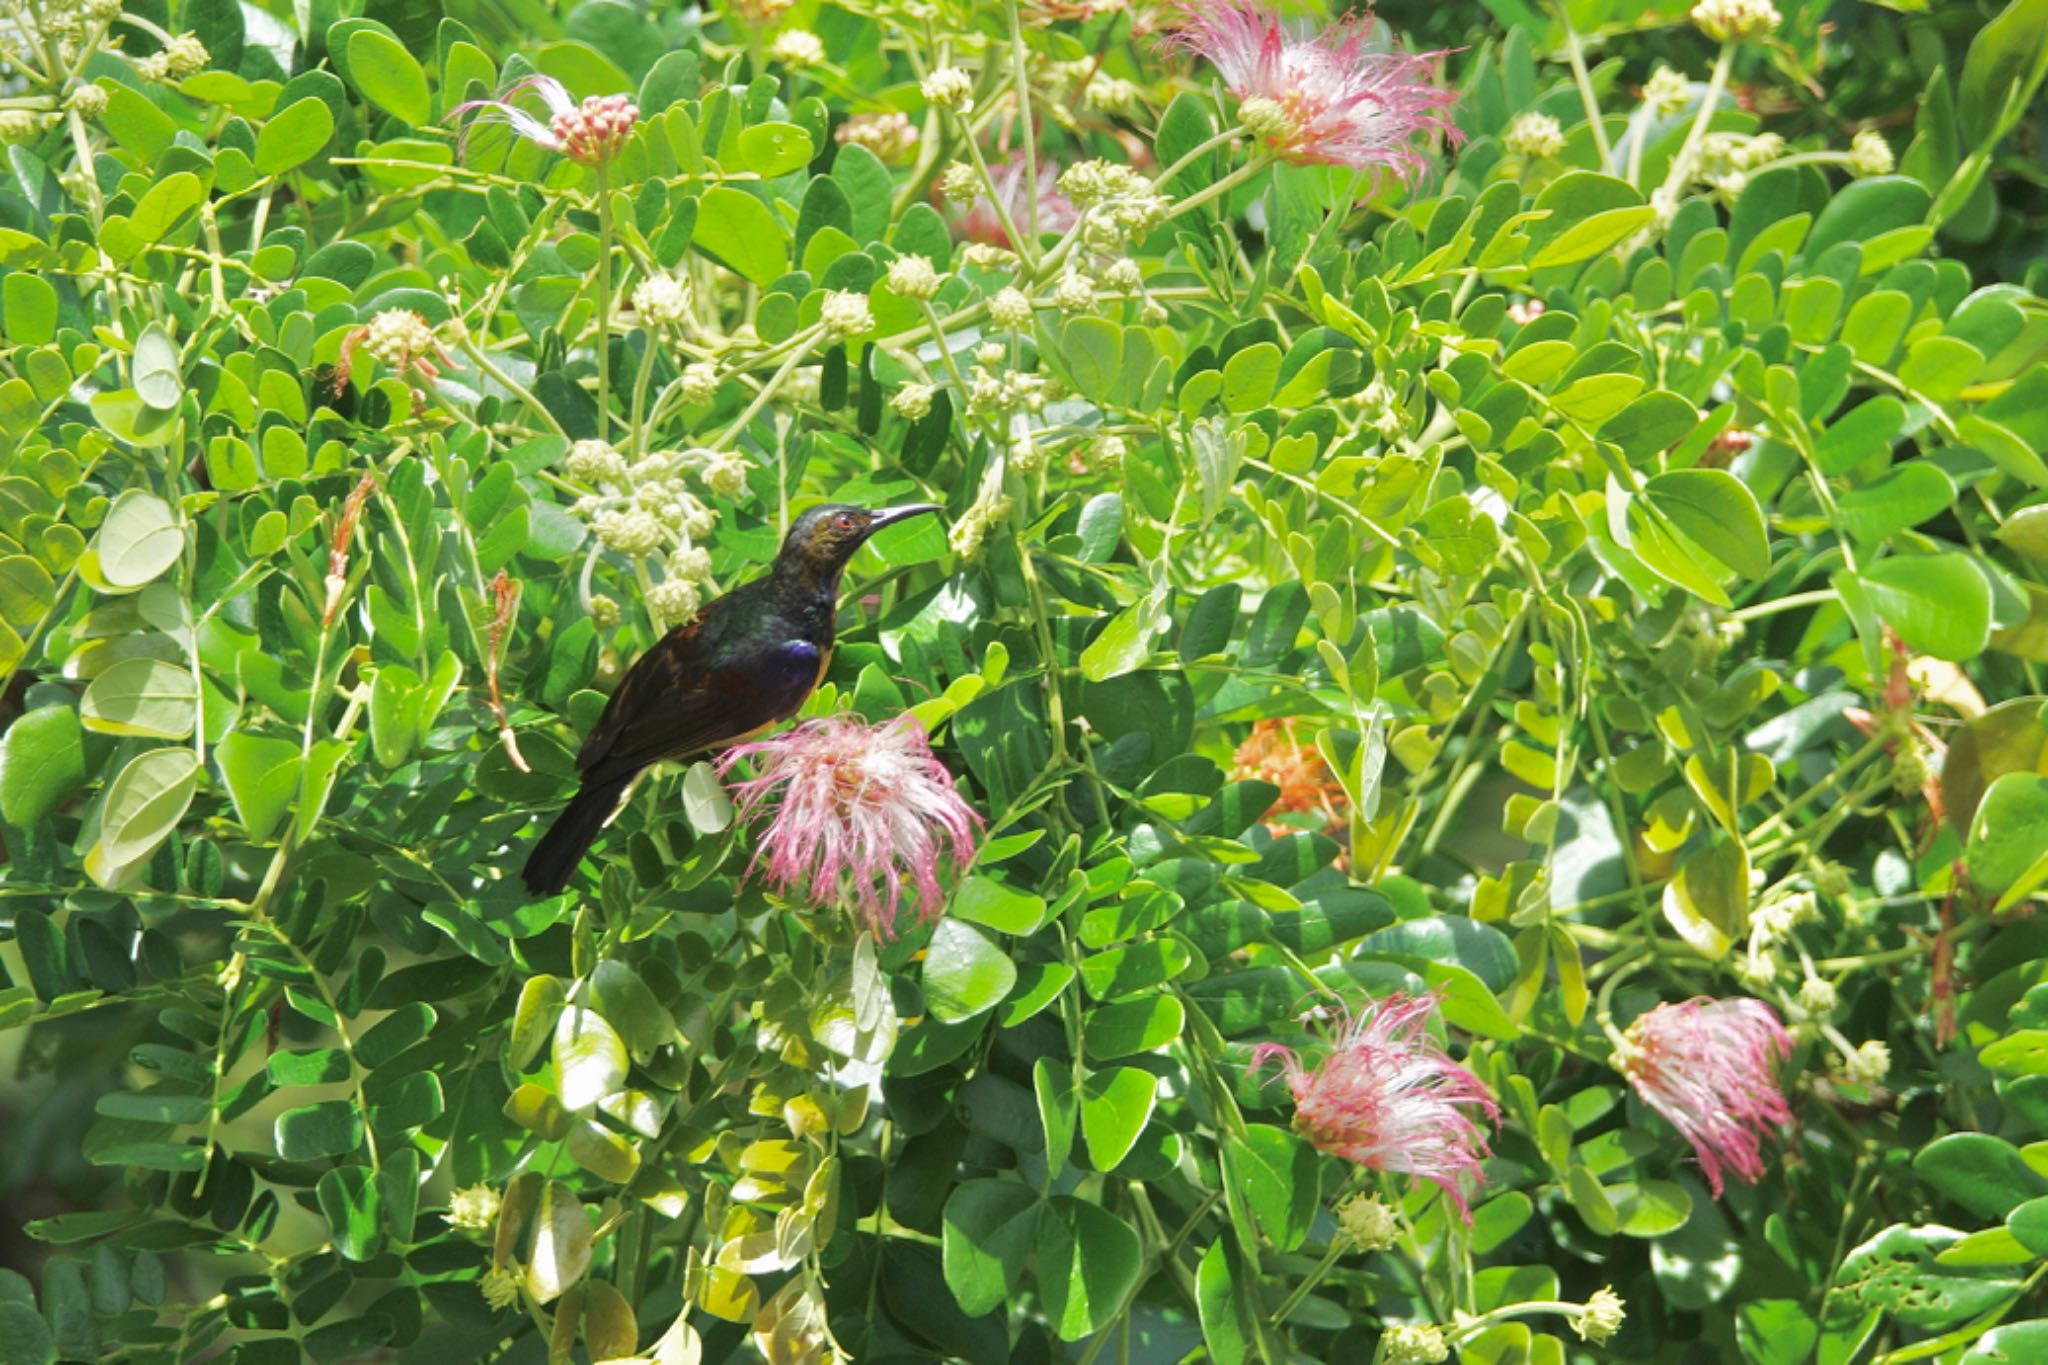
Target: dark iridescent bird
(746,661)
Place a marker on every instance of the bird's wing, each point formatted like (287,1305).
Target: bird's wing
(695,691)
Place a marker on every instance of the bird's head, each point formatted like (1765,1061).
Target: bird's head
(823,540)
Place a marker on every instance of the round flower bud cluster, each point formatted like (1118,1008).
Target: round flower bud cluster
(1108,453)
(1025,456)
(596,462)
(1817,997)
(1111,95)
(959,184)
(1870,154)
(1123,275)
(1869,1064)
(399,336)
(1779,915)
(474,1209)
(700,382)
(913,402)
(994,393)
(799,48)
(1832,880)
(633,531)
(1265,119)
(1601,1317)
(1075,293)
(725,473)
(19,125)
(988,256)
(1736,21)
(1910,769)
(846,315)
(1379,410)
(1757,971)
(182,56)
(87,101)
(1534,136)
(1406,1345)
(595,130)
(990,354)
(888,136)
(949,88)
(500,1287)
(1667,92)
(604,612)
(1367,1223)
(692,563)
(1727,159)
(673,600)
(991,509)
(1010,309)
(661,300)
(912,277)
(1117,204)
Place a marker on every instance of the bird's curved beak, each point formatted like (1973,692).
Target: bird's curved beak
(889,516)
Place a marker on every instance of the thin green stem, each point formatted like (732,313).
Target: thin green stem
(604,298)
(1584,80)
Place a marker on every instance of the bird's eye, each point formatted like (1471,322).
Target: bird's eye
(843,522)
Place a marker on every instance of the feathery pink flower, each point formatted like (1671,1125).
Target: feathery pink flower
(861,813)
(1390,1098)
(1710,1067)
(586,133)
(1323,99)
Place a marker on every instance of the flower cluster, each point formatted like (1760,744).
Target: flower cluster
(1870,154)
(589,133)
(1391,1099)
(888,136)
(1274,753)
(1117,205)
(1324,99)
(1534,136)
(1710,1068)
(1736,21)
(184,55)
(401,339)
(1667,92)
(646,503)
(860,815)
(662,300)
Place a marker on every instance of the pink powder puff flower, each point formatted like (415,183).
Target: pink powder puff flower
(1710,1068)
(859,811)
(1056,212)
(586,133)
(1324,99)
(1391,1099)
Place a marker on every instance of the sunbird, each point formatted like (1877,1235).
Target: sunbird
(744,662)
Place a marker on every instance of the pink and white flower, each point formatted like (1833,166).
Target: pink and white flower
(586,133)
(861,814)
(1322,99)
(1391,1099)
(1711,1068)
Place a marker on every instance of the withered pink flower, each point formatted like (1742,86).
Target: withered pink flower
(1325,98)
(587,133)
(861,813)
(1391,1099)
(1711,1068)
(1056,213)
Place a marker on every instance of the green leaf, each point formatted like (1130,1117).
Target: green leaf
(987,1234)
(1896,1272)
(294,135)
(145,801)
(1123,645)
(389,77)
(1716,511)
(2015,1343)
(964,974)
(1865,430)
(328,1129)
(2004,66)
(643,1024)
(1708,901)
(2007,853)
(24,1337)
(1939,604)
(42,762)
(1902,497)
(354,1208)
(1775,1331)
(27,592)
(561,1243)
(590,1058)
(139,540)
(1115,1106)
(1281,1181)
(262,775)
(983,900)
(1141,1025)
(1592,235)
(141,696)
(1136,967)
(737,230)
(157,381)
(772,149)
(1058,1109)
(1088,1263)
(1249,378)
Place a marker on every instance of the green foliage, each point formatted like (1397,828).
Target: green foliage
(1603,572)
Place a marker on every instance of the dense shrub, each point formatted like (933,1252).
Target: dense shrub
(1462,771)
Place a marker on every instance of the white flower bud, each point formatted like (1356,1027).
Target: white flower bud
(1124,274)
(692,564)
(661,300)
(1817,997)
(959,184)
(87,101)
(1367,1223)
(604,611)
(1870,154)
(1265,118)
(846,315)
(673,600)
(990,354)
(1736,21)
(1074,294)
(799,48)
(1534,136)
(474,1209)
(595,462)
(19,125)
(913,402)
(949,88)
(634,532)
(1667,92)
(726,474)
(1406,1345)
(1869,1064)
(912,277)
(700,382)
(1009,309)
(1602,1316)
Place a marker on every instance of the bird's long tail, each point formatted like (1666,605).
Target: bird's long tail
(553,860)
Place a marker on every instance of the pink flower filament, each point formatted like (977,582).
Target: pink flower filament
(1710,1067)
